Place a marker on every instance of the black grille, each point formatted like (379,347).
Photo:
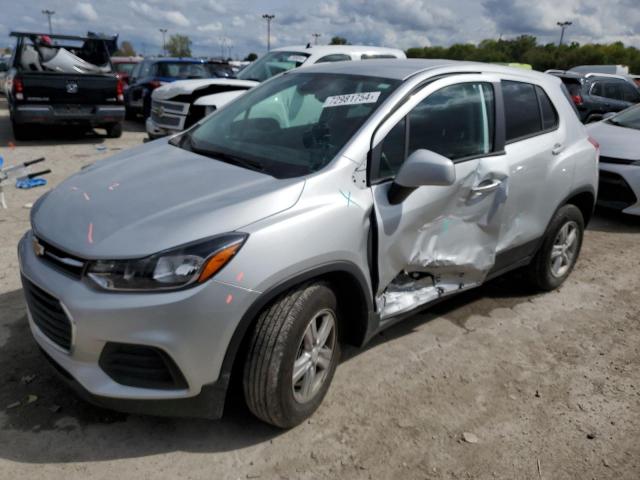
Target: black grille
(141,366)
(165,120)
(69,264)
(614,191)
(617,161)
(48,314)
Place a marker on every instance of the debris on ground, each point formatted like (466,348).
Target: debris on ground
(469,437)
(13,405)
(31,398)
(591,435)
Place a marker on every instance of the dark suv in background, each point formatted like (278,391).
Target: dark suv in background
(153,72)
(595,94)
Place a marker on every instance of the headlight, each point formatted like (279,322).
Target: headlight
(169,270)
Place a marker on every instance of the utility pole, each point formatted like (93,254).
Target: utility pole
(163,31)
(49,13)
(563,26)
(315,37)
(268,18)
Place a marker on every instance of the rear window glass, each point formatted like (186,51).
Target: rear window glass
(124,67)
(549,114)
(521,109)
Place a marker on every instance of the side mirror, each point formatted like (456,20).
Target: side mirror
(424,167)
(421,168)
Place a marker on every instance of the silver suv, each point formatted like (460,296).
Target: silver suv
(318,209)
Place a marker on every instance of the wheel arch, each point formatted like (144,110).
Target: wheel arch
(585,200)
(355,306)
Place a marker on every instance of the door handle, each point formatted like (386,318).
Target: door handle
(486,187)
(557,149)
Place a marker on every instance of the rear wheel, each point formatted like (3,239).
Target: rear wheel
(114,130)
(293,354)
(560,249)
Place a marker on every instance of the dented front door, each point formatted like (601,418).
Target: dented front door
(440,239)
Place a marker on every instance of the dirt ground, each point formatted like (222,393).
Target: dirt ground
(549,384)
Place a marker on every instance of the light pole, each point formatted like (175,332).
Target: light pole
(315,37)
(49,13)
(163,31)
(563,26)
(268,18)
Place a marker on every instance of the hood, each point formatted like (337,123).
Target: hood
(219,99)
(616,142)
(187,87)
(155,197)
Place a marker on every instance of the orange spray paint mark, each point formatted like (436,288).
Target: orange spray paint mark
(90,233)
(229,299)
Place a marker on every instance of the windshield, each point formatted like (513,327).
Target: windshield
(221,70)
(291,126)
(629,118)
(182,70)
(272,64)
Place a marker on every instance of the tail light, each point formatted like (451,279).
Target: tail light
(154,84)
(120,90)
(577,99)
(18,88)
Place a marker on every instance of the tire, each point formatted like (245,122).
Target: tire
(541,271)
(279,340)
(114,130)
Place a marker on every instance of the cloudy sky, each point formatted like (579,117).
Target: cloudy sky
(398,23)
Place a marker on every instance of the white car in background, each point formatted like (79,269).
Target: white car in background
(619,139)
(180,104)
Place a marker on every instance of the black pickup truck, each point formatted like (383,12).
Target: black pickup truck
(63,80)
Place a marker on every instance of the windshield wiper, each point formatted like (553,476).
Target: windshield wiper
(231,158)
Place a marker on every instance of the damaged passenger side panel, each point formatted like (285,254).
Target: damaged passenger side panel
(440,240)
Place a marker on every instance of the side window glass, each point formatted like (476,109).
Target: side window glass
(613,91)
(597,89)
(337,57)
(392,151)
(630,94)
(456,121)
(521,110)
(375,56)
(549,114)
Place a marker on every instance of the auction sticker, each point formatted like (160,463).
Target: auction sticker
(351,99)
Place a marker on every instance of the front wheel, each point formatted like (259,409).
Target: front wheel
(560,249)
(293,354)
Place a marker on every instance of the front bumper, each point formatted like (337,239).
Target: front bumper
(155,131)
(68,114)
(192,326)
(620,187)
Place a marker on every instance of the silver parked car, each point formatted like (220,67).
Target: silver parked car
(317,209)
(619,138)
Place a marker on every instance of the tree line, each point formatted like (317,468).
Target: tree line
(526,49)
(522,49)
